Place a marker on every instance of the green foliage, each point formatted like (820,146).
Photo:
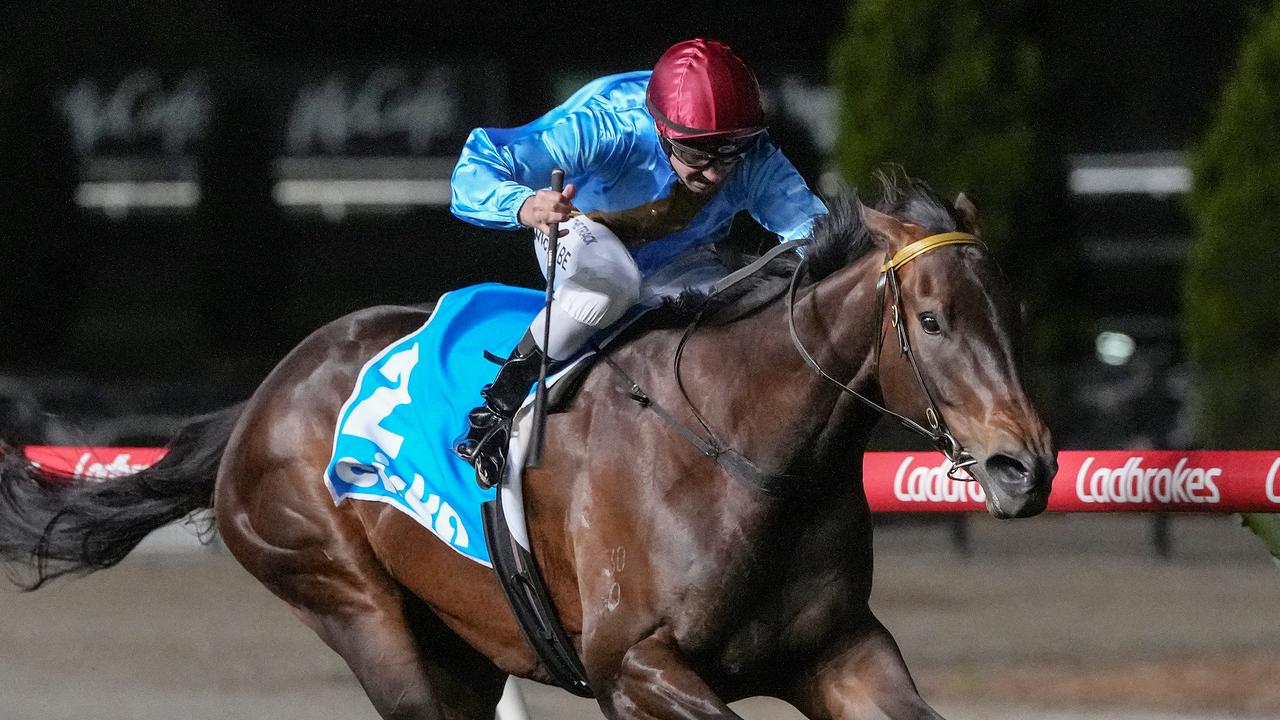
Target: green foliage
(955,94)
(1267,527)
(1232,285)
(931,86)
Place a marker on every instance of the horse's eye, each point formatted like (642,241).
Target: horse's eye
(929,322)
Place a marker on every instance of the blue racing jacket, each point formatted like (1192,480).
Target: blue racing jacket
(606,142)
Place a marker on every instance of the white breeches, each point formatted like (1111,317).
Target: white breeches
(596,282)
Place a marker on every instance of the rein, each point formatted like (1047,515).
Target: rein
(937,433)
(783,485)
(729,459)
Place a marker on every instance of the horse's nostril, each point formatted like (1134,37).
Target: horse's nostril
(1008,470)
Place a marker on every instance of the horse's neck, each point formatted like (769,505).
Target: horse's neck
(792,411)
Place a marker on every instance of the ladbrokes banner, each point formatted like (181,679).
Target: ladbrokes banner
(1087,481)
(92,463)
(1093,481)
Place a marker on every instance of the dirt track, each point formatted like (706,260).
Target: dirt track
(1060,617)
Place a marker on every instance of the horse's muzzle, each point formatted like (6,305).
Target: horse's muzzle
(1017,484)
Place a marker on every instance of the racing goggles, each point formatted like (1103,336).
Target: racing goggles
(702,155)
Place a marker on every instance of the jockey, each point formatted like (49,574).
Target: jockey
(657,164)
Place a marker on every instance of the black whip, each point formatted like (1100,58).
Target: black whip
(534,458)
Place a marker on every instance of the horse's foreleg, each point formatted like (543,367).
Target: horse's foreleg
(655,681)
(863,676)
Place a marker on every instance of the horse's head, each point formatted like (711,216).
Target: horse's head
(953,358)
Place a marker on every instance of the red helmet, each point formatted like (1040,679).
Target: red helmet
(699,88)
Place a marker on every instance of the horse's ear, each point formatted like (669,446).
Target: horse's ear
(893,232)
(968,213)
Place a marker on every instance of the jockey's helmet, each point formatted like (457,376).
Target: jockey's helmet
(701,90)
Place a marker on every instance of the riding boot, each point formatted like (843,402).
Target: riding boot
(485,443)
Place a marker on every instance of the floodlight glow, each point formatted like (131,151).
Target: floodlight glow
(1114,348)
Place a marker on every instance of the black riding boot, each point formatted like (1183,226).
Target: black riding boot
(485,444)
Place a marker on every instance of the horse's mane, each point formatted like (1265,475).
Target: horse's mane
(836,239)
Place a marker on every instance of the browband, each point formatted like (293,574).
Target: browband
(924,245)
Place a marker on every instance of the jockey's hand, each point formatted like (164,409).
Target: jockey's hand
(545,207)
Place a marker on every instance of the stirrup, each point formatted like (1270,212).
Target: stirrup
(489,426)
(488,454)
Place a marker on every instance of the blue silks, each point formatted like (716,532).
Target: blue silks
(605,141)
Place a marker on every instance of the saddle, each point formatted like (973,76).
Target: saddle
(736,296)
(394,436)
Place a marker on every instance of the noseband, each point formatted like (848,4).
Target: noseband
(937,432)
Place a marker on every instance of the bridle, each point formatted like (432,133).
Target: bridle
(741,467)
(937,432)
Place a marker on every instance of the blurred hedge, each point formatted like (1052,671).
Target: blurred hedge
(952,91)
(1231,288)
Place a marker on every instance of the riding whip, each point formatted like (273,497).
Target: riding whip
(534,458)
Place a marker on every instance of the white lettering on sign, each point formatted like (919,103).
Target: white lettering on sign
(1273,490)
(366,417)
(931,484)
(1132,483)
(138,109)
(328,116)
(86,469)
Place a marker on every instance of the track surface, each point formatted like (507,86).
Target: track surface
(1060,617)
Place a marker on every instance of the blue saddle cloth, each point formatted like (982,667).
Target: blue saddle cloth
(395,433)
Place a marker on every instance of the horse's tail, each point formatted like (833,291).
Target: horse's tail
(54,526)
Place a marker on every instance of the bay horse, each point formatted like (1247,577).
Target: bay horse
(682,587)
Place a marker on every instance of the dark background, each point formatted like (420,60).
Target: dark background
(152,313)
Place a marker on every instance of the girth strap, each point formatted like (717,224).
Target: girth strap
(530,601)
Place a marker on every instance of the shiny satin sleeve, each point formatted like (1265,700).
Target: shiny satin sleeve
(501,167)
(779,199)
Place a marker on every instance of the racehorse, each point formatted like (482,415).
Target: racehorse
(682,585)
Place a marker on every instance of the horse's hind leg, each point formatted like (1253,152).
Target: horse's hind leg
(468,684)
(862,675)
(315,557)
(384,646)
(377,645)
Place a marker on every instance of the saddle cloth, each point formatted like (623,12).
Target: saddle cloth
(394,437)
